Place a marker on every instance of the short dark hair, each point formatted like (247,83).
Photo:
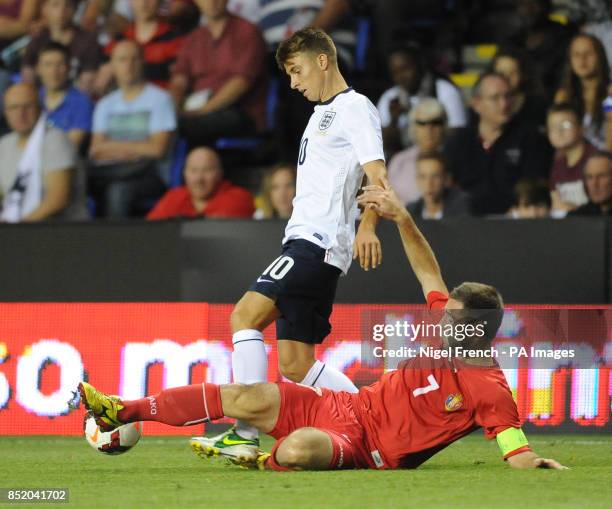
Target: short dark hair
(601,154)
(486,303)
(530,191)
(57,47)
(485,75)
(313,40)
(433,156)
(565,107)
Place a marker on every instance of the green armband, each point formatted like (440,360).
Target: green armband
(511,439)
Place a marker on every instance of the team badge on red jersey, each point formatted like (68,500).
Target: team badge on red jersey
(453,402)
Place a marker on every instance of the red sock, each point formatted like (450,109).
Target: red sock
(182,406)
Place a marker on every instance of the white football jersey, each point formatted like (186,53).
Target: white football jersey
(342,135)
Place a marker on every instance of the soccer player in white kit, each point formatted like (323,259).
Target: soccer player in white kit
(342,140)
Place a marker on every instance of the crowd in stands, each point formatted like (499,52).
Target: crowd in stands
(160,109)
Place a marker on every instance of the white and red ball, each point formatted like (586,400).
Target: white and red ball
(118,441)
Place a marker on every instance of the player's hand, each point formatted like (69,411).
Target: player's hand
(383,200)
(548,463)
(367,247)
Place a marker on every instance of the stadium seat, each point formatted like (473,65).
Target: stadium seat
(178,162)
(364,27)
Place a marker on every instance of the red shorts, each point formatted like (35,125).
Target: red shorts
(332,412)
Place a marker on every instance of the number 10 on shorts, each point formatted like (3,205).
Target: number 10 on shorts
(278,268)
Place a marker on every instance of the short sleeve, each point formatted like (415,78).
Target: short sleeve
(452,101)
(383,108)
(185,56)
(163,115)
(362,128)
(100,116)
(436,300)
(83,113)
(58,152)
(496,411)
(249,62)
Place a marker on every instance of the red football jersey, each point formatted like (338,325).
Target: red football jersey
(412,413)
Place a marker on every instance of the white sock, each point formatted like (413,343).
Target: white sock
(323,375)
(249,365)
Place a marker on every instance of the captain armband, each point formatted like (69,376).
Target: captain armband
(512,441)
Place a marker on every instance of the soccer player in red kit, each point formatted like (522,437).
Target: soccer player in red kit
(400,421)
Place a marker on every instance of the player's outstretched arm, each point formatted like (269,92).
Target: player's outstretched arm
(384,201)
(529,459)
(367,246)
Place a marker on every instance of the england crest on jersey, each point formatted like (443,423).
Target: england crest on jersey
(326,120)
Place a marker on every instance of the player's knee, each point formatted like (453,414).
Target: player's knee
(305,448)
(240,318)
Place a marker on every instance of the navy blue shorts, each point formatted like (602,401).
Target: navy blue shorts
(303,287)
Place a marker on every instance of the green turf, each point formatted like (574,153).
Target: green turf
(164,473)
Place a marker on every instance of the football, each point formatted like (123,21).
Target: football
(118,441)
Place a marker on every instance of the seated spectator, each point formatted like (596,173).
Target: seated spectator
(16,18)
(428,130)
(279,20)
(595,18)
(66,107)
(545,41)
(160,43)
(598,183)
(486,160)
(222,66)
(414,82)
(84,52)
(38,179)
(528,106)
(585,83)
(438,198)
(572,152)
(205,192)
(277,193)
(531,200)
(132,135)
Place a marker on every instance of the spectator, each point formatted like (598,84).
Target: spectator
(37,178)
(279,20)
(224,64)
(585,83)
(160,43)
(531,199)
(598,183)
(414,82)
(277,193)
(428,125)
(595,18)
(528,106)
(439,199)
(205,192)
(487,159)
(66,107)
(132,135)
(16,17)
(572,152)
(544,40)
(84,53)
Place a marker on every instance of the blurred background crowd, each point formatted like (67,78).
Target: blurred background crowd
(175,108)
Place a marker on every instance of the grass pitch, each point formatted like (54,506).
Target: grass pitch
(164,473)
